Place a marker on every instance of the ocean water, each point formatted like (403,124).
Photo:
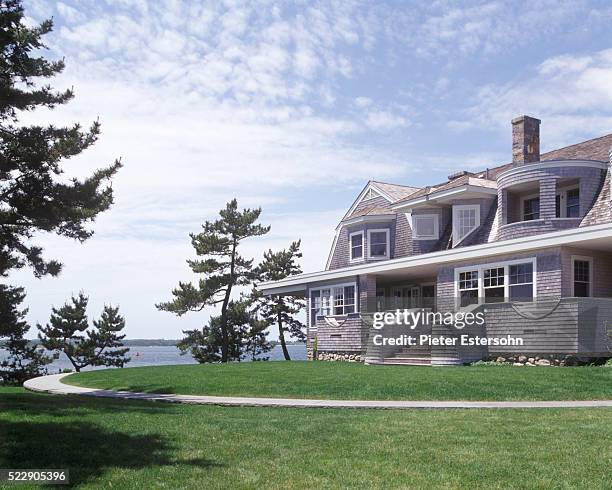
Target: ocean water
(158,355)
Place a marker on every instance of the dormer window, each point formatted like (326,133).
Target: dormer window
(378,244)
(356,242)
(466,218)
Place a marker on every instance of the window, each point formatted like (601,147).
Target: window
(531,209)
(468,288)
(494,280)
(513,279)
(521,282)
(344,300)
(335,300)
(572,203)
(320,303)
(425,227)
(465,220)
(581,276)
(356,240)
(315,306)
(567,203)
(378,244)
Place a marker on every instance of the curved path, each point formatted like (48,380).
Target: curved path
(53,384)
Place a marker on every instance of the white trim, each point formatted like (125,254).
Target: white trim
(387,251)
(371,194)
(562,193)
(436,226)
(444,194)
(331,298)
(456,223)
(480,268)
(583,258)
(363,193)
(373,218)
(552,164)
(574,236)
(363,245)
(333,249)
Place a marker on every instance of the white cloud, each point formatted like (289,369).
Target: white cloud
(383,120)
(363,102)
(206,101)
(200,115)
(486,27)
(571,94)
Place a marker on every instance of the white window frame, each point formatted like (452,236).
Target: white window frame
(456,225)
(387,241)
(493,265)
(583,258)
(415,228)
(363,245)
(562,193)
(332,299)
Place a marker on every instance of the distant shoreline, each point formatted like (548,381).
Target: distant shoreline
(158,342)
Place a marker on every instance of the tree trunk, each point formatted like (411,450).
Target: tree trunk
(224,335)
(281,337)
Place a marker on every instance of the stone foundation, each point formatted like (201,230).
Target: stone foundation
(545,360)
(338,356)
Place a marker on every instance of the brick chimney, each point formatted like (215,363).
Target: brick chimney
(525,140)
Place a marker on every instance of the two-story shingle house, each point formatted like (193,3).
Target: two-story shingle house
(528,243)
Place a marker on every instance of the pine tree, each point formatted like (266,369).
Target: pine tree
(33,195)
(205,345)
(33,198)
(256,339)
(68,332)
(282,309)
(221,266)
(24,361)
(105,336)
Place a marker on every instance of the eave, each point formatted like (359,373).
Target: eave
(368,218)
(440,197)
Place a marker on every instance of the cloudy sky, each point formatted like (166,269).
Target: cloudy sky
(293,107)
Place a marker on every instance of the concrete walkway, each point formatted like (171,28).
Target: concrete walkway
(53,384)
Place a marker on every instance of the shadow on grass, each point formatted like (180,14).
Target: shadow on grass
(35,433)
(67,406)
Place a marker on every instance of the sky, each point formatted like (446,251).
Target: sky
(292,107)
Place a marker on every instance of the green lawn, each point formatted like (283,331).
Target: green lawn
(120,444)
(359,382)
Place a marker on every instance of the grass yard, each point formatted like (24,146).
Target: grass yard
(120,444)
(356,381)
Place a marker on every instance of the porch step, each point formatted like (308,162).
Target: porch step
(408,361)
